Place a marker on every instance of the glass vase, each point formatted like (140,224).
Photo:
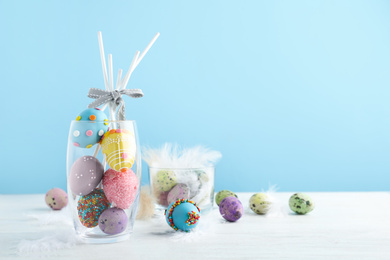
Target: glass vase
(103,177)
(171,184)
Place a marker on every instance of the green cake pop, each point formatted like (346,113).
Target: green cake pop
(259,203)
(301,203)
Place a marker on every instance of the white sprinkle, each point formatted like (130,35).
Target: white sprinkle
(76,133)
(101,132)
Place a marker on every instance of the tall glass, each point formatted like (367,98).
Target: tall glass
(104,180)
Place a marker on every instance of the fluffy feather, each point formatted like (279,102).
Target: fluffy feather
(146,205)
(48,243)
(277,208)
(174,156)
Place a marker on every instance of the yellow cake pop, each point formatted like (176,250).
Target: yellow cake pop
(118,145)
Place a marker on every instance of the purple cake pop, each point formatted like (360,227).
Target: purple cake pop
(180,191)
(231,209)
(85,175)
(113,221)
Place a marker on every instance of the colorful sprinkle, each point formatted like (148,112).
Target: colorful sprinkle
(89,146)
(76,144)
(78,118)
(92,117)
(76,133)
(106,120)
(193,218)
(91,206)
(101,132)
(89,133)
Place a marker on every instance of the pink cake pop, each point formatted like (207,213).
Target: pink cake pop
(120,187)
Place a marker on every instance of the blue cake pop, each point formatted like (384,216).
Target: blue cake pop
(91,126)
(182,214)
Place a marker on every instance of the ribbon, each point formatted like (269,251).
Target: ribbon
(104,96)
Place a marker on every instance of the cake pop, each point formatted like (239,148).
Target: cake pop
(91,206)
(120,187)
(118,145)
(91,126)
(182,214)
(85,175)
(113,221)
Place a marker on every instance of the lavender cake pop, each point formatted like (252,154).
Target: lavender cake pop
(231,209)
(113,221)
(85,175)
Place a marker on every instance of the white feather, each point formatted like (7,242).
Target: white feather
(174,156)
(48,243)
(277,208)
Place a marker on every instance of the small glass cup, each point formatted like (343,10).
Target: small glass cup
(171,184)
(127,135)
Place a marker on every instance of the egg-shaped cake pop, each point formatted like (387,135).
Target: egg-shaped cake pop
(91,126)
(56,198)
(120,187)
(231,209)
(118,145)
(182,214)
(91,206)
(113,221)
(85,175)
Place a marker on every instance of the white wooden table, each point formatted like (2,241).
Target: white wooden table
(342,226)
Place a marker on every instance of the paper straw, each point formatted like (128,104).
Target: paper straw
(118,79)
(137,61)
(103,59)
(111,86)
(130,71)
(111,72)
(96,150)
(147,49)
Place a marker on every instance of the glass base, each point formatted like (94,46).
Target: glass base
(92,238)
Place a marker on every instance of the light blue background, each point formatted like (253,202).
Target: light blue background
(293,93)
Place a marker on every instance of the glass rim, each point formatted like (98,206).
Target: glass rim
(183,168)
